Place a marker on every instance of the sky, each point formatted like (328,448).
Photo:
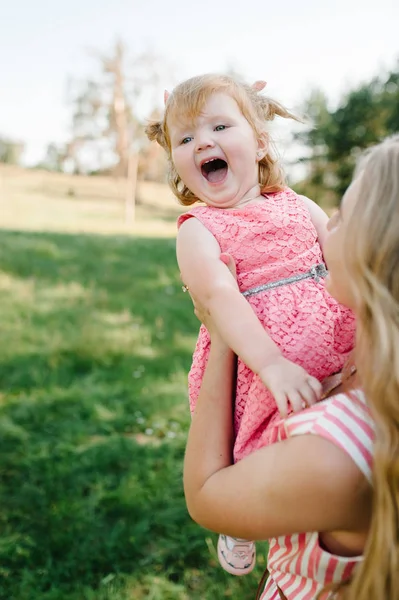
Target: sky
(293,45)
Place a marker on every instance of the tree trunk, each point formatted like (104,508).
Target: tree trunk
(131,185)
(122,134)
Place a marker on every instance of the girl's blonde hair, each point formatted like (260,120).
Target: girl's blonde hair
(373,262)
(188,99)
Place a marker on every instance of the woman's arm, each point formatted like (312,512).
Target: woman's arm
(305,483)
(217,393)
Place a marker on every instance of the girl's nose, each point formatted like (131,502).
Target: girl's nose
(203,143)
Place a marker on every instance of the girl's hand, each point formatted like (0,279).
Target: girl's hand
(290,385)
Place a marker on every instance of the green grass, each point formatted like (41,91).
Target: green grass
(96,342)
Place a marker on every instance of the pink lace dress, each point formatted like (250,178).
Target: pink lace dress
(270,241)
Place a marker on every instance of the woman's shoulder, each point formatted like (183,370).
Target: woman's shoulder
(345,420)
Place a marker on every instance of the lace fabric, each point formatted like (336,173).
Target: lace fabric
(272,240)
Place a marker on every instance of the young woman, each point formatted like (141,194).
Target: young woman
(317,479)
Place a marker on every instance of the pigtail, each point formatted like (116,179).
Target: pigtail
(271,175)
(155,133)
(272,109)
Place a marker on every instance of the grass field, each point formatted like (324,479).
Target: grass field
(40,201)
(96,342)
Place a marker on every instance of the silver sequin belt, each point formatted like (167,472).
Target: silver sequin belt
(316,272)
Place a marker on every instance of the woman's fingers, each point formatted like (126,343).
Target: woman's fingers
(228,260)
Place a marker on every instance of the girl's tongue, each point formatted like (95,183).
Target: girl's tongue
(214,170)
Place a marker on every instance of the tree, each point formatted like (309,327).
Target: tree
(153,159)
(106,126)
(320,176)
(54,158)
(364,117)
(11,151)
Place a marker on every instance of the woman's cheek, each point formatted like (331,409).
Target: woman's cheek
(332,256)
(338,283)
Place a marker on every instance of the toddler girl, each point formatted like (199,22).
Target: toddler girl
(287,331)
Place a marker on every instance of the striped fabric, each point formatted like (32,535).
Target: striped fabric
(297,563)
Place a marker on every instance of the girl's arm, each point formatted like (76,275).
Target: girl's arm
(208,279)
(305,483)
(319,219)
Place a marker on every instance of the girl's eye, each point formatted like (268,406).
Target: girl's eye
(220,127)
(186,140)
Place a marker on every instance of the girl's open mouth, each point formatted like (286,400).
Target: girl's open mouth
(214,170)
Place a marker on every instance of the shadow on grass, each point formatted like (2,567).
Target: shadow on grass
(97,340)
(125,273)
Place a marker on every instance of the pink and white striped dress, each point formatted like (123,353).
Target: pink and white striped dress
(297,563)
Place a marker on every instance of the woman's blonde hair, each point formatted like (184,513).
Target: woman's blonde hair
(372,247)
(188,100)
